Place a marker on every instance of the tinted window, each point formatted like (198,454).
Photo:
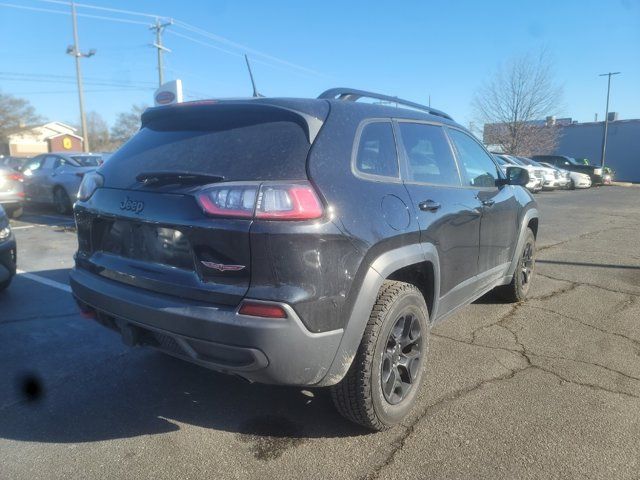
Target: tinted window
(377,150)
(49,162)
(238,148)
(479,168)
(85,160)
(429,157)
(33,164)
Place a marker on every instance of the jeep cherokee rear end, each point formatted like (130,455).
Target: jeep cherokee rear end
(207,240)
(268,237)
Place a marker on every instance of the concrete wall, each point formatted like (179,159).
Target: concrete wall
(584,140)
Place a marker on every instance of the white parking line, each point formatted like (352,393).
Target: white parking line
(45,281)
(22,227)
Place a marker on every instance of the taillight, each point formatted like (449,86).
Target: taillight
(16,177)
(268,201)
(265,310)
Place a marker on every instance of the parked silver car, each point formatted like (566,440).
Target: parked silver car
(54,178)
(11,191)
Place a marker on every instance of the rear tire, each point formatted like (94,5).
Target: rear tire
(382,384)
(61,201)
(518,289)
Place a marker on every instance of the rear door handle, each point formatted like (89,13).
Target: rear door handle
(488,203)
(429,206)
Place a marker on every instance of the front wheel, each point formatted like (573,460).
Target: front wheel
(382,383)
(4,285)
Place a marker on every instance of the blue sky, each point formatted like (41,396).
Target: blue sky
(411,49)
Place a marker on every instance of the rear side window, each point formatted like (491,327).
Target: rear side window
(377,153)
(478,167)
(428,154)
(243,148)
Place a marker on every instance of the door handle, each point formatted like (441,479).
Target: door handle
(488,203)
(429,206)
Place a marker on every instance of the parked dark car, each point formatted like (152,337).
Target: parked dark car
(8,252)
(11,191)
(307,242)
(569,163)
(54,178)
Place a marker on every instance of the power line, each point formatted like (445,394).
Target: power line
(105,9)
(85,15)
(239,46)
(180,24)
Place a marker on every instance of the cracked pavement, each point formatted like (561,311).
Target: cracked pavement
(549,388)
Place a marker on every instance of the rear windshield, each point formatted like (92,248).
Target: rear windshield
(258,150)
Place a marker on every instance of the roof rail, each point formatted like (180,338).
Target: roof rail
(351,94)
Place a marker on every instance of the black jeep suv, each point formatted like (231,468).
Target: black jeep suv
(301,241)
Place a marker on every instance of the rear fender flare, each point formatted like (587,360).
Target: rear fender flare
(526,218)
(378,271)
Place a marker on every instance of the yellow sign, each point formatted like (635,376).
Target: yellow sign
(66,143)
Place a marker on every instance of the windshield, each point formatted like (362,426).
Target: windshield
(517,161)
(88,160)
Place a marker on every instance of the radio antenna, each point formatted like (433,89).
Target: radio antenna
(253,83)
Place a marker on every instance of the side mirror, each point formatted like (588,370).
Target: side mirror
(516,176)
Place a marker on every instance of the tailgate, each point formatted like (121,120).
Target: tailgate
(164,243)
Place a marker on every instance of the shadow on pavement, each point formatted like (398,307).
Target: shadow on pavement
(143,392)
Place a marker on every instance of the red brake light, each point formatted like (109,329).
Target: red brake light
(288,202)
(269,201)
(17,177)
(266,310)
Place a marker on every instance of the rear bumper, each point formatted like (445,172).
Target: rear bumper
(7,259)
(277,351)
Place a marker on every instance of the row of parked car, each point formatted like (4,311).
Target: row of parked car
(551,172)
(49,179)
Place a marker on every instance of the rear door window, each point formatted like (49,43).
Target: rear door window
(428,154)
(376,154)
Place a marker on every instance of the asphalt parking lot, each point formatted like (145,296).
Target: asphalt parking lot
(545,389)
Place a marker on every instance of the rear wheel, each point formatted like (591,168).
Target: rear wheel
(16,212)
(382,383)
(61,201)
(518,289)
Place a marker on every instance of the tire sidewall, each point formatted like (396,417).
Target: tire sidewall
(387,413)
(522,293)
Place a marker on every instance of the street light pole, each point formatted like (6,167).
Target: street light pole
(75,51)
(606,117)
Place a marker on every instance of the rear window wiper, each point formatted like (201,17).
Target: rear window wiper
(178,178)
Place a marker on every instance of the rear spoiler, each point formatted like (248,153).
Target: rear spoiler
(211,114)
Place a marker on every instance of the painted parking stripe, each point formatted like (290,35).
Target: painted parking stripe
(45,281)
(22,227)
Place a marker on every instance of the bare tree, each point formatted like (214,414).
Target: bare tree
(98,132)
(16,114)
(514,104)
(126,125)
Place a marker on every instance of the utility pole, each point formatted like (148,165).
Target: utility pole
(606,117)
(159,28)
(75,51)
